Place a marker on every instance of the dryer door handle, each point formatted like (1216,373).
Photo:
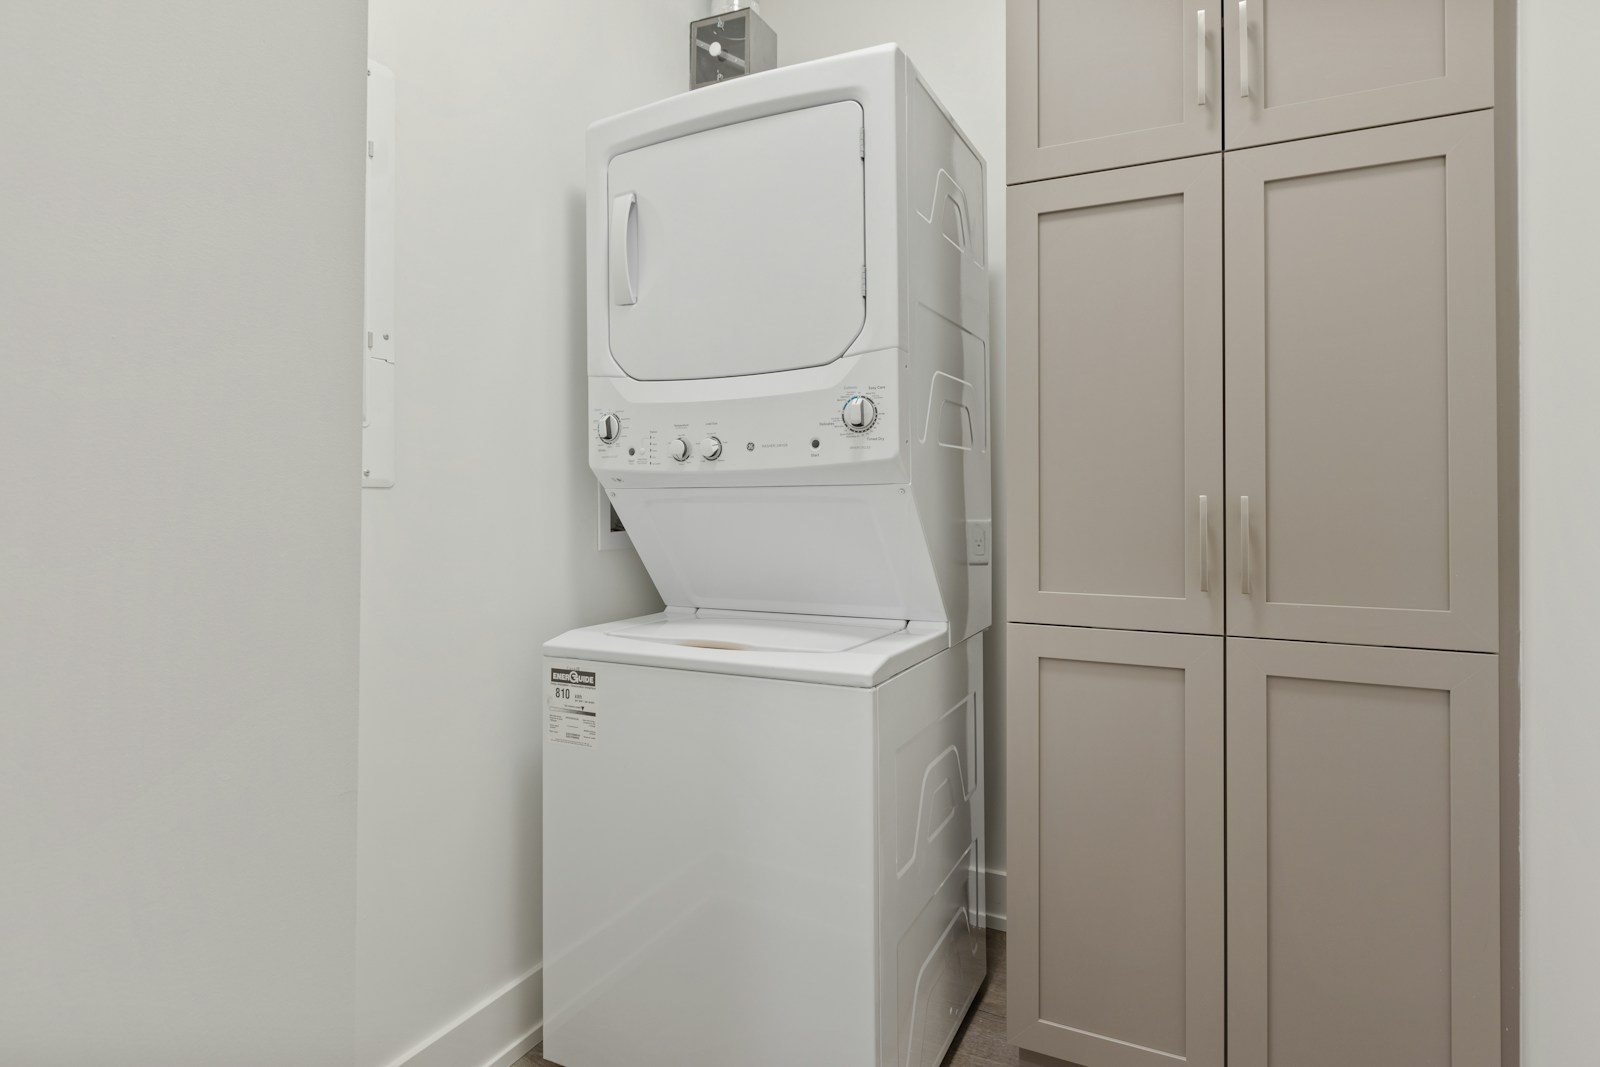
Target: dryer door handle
(624,249)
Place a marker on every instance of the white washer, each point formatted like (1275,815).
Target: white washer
(765,852)
(763,808)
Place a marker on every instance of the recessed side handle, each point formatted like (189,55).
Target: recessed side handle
(624,249)
(1244,545)
(1244,47)
(950,211)
(1205,545)
(1200,71)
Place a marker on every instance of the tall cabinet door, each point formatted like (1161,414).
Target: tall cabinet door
(1363,857)
(1301,68)
(1095,84)
(1361,436)
(1115,815)
(1115,401)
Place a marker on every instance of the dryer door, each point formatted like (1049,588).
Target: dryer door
(738,250)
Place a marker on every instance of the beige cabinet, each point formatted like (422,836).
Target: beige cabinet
(1361,388)
(1363,857)
(1094,84)
(1115,399)
(1097,84)
(1115,824)
(1258,412)
(1360,502)
(1303,68)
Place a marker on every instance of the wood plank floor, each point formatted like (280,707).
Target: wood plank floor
(981,1042)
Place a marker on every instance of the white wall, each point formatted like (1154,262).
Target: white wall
(180,289)
(485,547)
(1560,158)
(959,46)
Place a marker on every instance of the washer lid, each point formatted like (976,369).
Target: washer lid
(740,249)
(756,633)
(801,648)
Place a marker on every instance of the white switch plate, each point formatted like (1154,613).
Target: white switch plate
(377,335)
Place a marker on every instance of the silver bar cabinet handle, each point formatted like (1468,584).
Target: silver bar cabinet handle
(1244,545)
(1244,47)
(1205,545)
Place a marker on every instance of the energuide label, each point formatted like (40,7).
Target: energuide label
(571,708)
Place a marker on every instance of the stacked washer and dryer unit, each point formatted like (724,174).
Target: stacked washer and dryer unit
(763,807)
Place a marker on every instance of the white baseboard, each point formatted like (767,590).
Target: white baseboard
(495,1032)
(502,1027)
(994,895)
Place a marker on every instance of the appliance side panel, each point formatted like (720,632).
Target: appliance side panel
(945,384)
(931,950)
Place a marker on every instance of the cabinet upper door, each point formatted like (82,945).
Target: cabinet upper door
(1361,436)
(1115,817)
(1094,84)
(1115,403)
(1363,857)
(1300,68)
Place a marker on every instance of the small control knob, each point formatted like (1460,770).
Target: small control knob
(859,414)
(711,448)
(608,427)
(678,449)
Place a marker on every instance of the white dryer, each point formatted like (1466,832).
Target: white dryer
(763,808)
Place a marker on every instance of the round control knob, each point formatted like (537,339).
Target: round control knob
(859,414)
(608,427)
(678,449)
(710,448)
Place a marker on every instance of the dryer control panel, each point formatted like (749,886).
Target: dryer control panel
(853,423)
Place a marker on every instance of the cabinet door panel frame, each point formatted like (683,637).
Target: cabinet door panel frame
(1199,132)
(1471,680)
(1469,619)
(1201,660)
(1467,83)
(1199,182)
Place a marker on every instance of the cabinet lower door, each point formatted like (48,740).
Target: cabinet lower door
(1115,399)
(1094,84)
(1363,857)
(1115,815)
(1301,68)
(1360,368)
